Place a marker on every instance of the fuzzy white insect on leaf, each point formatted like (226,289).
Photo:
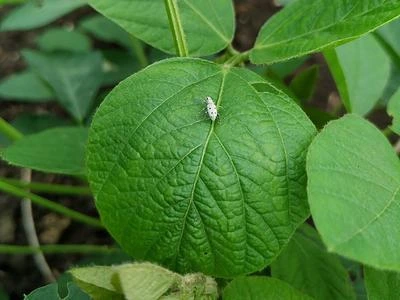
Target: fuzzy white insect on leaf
(211,108)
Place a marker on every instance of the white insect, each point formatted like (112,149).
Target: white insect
(211,108)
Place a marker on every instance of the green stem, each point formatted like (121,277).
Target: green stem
(9,131)
(49,188)
(176,27)
(138,51)
(232,50)
(387,131)
(237,59)
(54,249)
(77,216)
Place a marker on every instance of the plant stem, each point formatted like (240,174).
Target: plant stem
(50,188)
(176,27)
(138,51)
(77,216)
(30,231)
(9,131)
(56,249)
(237,59)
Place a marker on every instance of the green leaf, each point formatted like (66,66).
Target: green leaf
(382,285)
(208,26)
(261,288)
(31,123)
(118,65)
(65,40)
(106,30)
(393,110)
(50,292)
(97,282)
(25,87)
(74,77)
(306,265)
(58,150)
(353,191)
(361,70)
(35,14)
(303,85)
(221,197)
(146,281)
(143,281)
(305,26)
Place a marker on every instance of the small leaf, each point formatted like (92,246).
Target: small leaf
(353,191)
(58,150)
(50,292)
(258,287)
(361,70)
(106,30)
(30,123)
(382,285)
(146,281)
(306,265)
(97,282)
(208,26)
(35,14)
(305,26)
(74,77)
(393,110)
(61,39)
(25,87)
(221,198)
(303,85)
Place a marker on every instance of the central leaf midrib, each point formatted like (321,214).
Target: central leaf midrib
(197,176)
(126,143)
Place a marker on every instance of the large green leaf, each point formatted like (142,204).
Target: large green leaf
(261,288)
(25,87)
(382,285)
(361,70)
(208,25)
(60,39)
(353,191)
(305,26)
(173,187)
(58,150)
(74,77)
(306,265)
(38,13)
